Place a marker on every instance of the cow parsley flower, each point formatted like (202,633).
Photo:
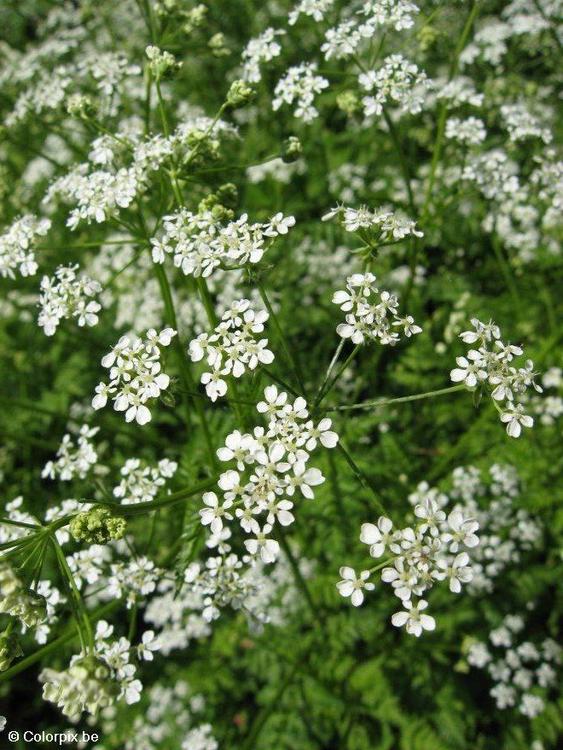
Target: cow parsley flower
(68,295)
(522,671)
(232,348)
(418,557)
(371,315)
(200,243)
(385,227)
(352,585)
(413,618)
(141,482)
(397,82)
(300,85)
(469,132)
(74,459)
(490,366)
(135,375)
(261,49)
(315,9)
(17,246)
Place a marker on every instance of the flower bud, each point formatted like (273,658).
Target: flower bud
(240,94)
(291,149)
(97,526)
(10,649)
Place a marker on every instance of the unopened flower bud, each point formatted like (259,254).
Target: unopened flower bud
(239,94)
(217,45)
(79,105)
(348,102)
(97,526)
(291,150)
(160,62)
(10,649)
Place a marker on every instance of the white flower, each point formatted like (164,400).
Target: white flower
(212,516)
(515,419)
(470,369)
(378,537)
(149,643)
(458,571)
(261,544)
(135,375)
(68,296)
(353,586)
(412,618)
(462,531)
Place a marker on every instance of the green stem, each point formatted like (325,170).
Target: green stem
(438,143)
(361,476)
(330,368)
(138,509)
(185,371)
(273,317)
(298,576)
(80,610)
(400,399)
(332,383)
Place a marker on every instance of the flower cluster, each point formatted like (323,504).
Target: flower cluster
(135,375)
(94,681)
(272,465)
(199,243)
(299,85)
(469,132)
(345,39)
(434,550)
(172,713)
(523,672)
(490,364)
(370,314)
(315,9)
(140,482)
(232,348)
(133,580)
(261,49)
(68,296)
(385,226)
(506,531)
(16,246)
(74,459)
(398,82)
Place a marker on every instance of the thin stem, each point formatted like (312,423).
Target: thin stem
(333,362)
(360,476)
(281,335)
(332,383)
(437,150)
(298,576)
(400,399)
(139,509)
(80,610)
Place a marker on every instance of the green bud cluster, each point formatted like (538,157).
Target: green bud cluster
(97,526)
(240,94)
(217,45)
(348,102)
(10,649)
(79,105)
(19,601)
(206,147)
(291,149)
